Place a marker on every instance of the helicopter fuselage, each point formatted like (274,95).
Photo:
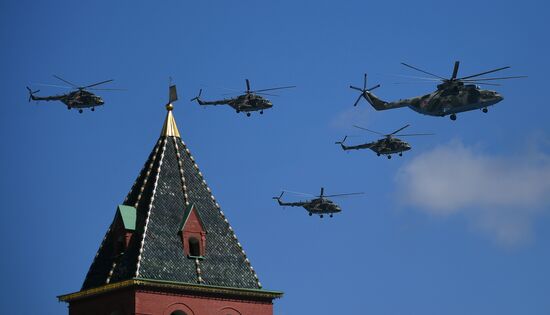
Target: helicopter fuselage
(243,103)
(321,206)
(384,146)
(75,99)
(447,100)
(317,206)
(250,103)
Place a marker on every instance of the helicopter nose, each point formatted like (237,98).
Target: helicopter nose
(498,97)
(100,102)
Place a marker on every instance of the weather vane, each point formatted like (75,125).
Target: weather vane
(172,95)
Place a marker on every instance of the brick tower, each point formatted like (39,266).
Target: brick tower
(170,250)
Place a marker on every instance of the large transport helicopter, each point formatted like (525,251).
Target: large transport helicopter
(80,98)
(320,205)
(250,101)
(386,146)
(453,95)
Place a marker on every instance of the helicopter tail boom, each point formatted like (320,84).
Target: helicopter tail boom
(379,104)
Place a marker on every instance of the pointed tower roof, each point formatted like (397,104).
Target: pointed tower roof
(169,183)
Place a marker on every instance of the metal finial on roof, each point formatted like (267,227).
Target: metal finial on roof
(170,129)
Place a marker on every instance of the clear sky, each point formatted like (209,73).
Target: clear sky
(458,225)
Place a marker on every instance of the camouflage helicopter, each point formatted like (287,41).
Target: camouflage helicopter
(79,98)
(319,205)
(250,101)
(385,146)
(453,95)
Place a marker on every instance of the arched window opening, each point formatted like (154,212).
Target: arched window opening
(178,312)
(194,247)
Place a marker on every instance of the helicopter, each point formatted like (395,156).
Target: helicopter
(453,95)
(320,205)
(250,101)
(385,146)
(79,98)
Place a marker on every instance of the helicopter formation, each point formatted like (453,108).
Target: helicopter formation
(453,95)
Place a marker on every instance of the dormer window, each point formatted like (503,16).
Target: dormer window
(193,234)
(125,225)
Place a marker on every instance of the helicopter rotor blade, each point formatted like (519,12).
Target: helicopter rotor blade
(434,75)
(98,83)
(69,83)
(355,88)
(348,194)
(277,88)
(376,132)
(414,134)
(53,85)
(482,73)
(413,77)
(358,99)
(413,82)
(365,82)
(501,78)
(374,87)
(393,133)
(298,193)
(482,83)
(262,93)
(106,89)
(247,86)
(455,70)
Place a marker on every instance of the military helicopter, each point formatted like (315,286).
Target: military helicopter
(387,145)
(79,98)
(250,101)
(453,95)
(320,205)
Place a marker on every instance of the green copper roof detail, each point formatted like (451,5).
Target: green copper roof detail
(128,215)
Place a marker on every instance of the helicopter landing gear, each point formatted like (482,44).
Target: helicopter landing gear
(321,216)
(247,114)
(80,111)
(377,154)
(310,214)
(400,153)
(93,109)
(485,110)
(453,117)
(261,112)
(238,111)
(330,215)
(69,107)
(389,157)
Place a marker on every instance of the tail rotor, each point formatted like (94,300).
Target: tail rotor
(279,198)
(31,93)
(364,91)
(197,98)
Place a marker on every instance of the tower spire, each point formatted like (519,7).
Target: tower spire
(170,129)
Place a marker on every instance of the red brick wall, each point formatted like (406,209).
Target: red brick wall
(164,304)
(130,302)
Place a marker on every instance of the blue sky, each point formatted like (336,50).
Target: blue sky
(458,225)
